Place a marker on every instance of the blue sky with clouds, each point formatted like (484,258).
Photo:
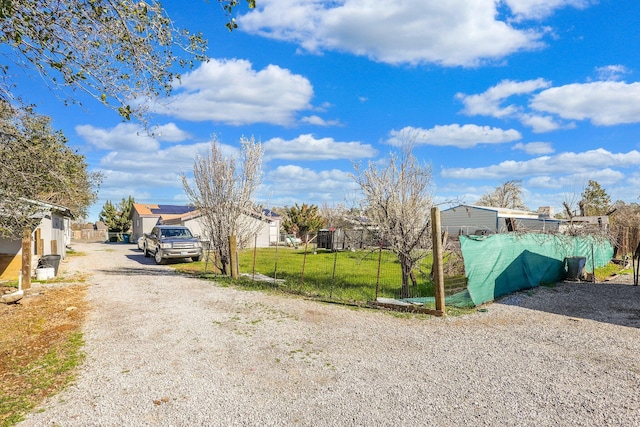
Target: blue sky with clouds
(542,91)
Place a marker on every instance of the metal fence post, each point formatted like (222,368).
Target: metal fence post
(333,275)
(253,267)
(304,262)
(379,264)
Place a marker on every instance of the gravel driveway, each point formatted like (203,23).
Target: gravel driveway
(167,350)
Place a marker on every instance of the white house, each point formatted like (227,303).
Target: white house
(267,226)
(145,216)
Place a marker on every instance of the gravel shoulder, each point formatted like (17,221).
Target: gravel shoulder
(168,350)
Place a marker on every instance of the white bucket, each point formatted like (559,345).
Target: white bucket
(45,273)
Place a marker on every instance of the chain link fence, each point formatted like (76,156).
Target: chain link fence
(351,266)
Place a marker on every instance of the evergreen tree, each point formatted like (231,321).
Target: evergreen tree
(116,218)
(595,200)
(302,220)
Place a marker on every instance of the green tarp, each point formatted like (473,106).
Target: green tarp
(500,264)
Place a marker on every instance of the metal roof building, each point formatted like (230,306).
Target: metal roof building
(471,219)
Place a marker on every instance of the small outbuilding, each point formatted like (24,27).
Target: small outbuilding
(50,237)
(471,219)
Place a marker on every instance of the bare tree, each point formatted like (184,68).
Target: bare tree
(506,195)
(335,215)
(397,196)
(222,191)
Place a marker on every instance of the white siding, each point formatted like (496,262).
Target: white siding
(195,226)
(262,240)
(142,224)
(468,220)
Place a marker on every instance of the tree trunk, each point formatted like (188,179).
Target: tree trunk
(222,261)
(405,265)
(25,273)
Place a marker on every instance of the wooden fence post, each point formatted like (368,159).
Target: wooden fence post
(233,256)
(438,272)
(25,273)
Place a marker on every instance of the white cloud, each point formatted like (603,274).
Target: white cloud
(306,147)
(290,184)
(564,163)
(611,72)
(232,92)
(175,159)
(126,173)
(537,9)
(540,124)
(131,137)
(115,194)
(319,121)
(603,103)
(489,102)
(604,176)
(535,147)
(451,33)
(634,179)
(465,136)
(117,180)
(170,133)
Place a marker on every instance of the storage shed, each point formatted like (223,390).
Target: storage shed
(471,219)
(51,236)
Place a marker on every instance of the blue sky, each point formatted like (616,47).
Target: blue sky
(542,91)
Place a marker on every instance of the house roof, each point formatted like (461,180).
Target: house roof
(196,213)
(150,209)
(505,212)
(48,207)
(269,213)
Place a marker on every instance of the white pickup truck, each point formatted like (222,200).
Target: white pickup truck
(172,241)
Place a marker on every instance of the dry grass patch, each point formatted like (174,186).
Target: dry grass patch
(40,345)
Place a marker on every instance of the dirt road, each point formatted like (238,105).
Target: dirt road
(163,349)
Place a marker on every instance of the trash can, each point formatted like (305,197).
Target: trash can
(575,267)
(51,260)
(125,238)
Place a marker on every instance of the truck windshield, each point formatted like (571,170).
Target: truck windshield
(176,232)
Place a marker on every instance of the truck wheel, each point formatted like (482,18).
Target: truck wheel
(146,251)
(196,258)
(158,257)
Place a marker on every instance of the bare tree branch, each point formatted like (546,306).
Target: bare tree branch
(222,191)
(398,199)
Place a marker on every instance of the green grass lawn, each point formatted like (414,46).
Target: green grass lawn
(338,275)
(342,276)
(610,269)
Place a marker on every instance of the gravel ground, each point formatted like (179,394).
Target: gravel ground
(167,350)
